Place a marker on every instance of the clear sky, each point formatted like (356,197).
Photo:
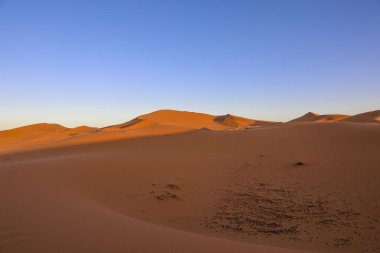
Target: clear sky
(97,63)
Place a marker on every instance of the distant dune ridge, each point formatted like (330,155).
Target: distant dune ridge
(191,120)
(42,129)
(37,134)
(314,117)
(236,122)
(156,123)
(366,117)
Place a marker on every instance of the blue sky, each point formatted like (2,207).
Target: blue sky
(98,63)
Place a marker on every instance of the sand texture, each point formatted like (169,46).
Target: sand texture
(174,181)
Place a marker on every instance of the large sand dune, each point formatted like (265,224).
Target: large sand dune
(191,120)
(161,183)
(39,134)
(314,117)
(367,117)
(155,123)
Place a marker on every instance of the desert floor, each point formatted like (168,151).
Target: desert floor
(312,187)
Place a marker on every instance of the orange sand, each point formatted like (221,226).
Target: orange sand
(174,181)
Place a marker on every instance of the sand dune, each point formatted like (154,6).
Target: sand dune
(189,120)
(32,130)
(314,117)
(367,117)
(173,118)
(39,134)
(236,122)
(160,183)
(155,123)
(160,122)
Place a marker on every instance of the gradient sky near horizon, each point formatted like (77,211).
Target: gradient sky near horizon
(99,63)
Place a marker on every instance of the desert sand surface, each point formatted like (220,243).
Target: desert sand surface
(175,181)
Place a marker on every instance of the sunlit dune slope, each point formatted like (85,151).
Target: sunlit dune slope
(160,122)
(190,120)
(367,117)
(314,117)
(38,134)
(155,123)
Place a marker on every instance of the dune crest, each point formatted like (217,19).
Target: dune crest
(161,122)
(236,122)
(314,117)
(38,134)
(191,120)
(366,117)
